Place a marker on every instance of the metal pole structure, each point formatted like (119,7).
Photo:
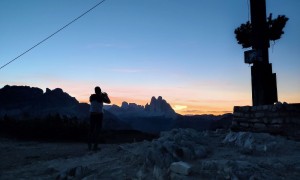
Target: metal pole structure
(264,88)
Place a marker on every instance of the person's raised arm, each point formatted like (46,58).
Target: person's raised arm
(106,98)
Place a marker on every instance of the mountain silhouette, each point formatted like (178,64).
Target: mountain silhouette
(16,101)
(157,107)
(24,102)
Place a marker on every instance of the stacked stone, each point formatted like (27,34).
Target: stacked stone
(280,118)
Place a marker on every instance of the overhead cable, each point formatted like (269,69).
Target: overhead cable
(48,37)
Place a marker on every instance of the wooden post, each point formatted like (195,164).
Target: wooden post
(264,88)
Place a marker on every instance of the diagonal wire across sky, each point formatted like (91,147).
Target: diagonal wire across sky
(51,35)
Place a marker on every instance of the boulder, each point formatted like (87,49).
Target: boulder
(181,168)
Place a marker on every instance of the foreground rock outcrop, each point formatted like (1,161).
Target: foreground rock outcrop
(176,154)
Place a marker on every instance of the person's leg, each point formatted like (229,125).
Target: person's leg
(91,133)
(98,127)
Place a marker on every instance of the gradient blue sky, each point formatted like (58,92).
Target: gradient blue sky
(182,50)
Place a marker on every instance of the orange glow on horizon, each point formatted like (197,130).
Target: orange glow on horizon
(180,109)
(118,101)
(189,105)
(191,108)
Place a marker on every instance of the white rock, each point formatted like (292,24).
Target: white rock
(181,168)
(158,173)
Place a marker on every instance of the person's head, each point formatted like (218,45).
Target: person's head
(97,90)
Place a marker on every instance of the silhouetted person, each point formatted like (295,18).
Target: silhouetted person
(96,116)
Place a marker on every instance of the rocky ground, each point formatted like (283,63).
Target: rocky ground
(202,155)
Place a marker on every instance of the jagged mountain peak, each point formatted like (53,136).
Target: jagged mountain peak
(156,107)
(56,90)
(159,105)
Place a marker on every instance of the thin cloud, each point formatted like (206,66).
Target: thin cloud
(127,70)
(213,101)
(107,45)
(197,111)
(179,107)
(99,45)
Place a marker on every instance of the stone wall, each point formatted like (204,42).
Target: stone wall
(283,119)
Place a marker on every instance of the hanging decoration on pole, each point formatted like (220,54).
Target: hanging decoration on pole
(243,33)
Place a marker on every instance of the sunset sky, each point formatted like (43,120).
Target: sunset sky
(182,50)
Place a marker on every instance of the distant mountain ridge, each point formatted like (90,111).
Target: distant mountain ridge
(157,107)
(20,100)
(152,118)
(24,102)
